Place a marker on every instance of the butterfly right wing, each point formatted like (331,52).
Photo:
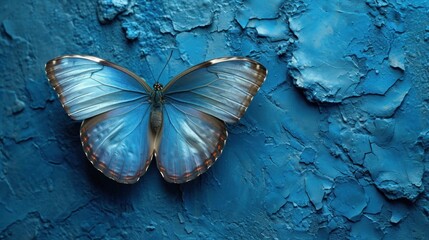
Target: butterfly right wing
(114,104)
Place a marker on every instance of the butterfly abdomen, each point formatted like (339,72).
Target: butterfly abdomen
(156,111)
(156,119)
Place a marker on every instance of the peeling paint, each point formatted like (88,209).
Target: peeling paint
(334,146)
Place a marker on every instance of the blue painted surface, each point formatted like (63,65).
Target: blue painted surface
(335,145)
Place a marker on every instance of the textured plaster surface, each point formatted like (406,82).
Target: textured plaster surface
(334,146)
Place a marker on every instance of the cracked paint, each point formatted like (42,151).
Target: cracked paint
(334,146)
(347,45)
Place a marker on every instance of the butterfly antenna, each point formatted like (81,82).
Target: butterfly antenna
(171,54)
(150,69)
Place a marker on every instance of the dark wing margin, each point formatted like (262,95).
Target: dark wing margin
(222,87)
(88,86)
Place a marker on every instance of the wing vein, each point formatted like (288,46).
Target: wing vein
(225,97)
(236,76)
(89,107)
(202,106)
(137,125)
(191,89)
(185,139)
(111,133)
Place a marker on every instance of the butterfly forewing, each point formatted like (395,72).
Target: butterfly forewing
(88,86)
(115,105)
(191,142)
(222,87)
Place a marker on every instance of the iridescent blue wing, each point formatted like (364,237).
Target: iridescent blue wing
(119,142)
(115,105)
(191,142)
(88,86)
(196,103)
(222,87)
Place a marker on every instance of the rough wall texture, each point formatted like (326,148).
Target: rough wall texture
(335,145)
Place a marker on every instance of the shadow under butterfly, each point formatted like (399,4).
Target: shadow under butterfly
(126,122)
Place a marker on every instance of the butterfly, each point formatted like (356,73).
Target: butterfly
(126,123)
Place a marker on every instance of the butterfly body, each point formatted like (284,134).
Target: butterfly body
(126,123)
(156,113)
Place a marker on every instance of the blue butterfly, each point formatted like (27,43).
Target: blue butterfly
(126,123)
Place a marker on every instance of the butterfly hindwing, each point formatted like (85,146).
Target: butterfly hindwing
(88,86)
(119,142)
(114,104)
(222,87)
(191,142)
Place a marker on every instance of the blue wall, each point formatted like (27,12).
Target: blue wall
(335,145)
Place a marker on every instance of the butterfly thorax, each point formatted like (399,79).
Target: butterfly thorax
(156,111)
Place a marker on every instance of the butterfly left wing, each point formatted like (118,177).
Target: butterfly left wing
(191,142)
(114,104)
